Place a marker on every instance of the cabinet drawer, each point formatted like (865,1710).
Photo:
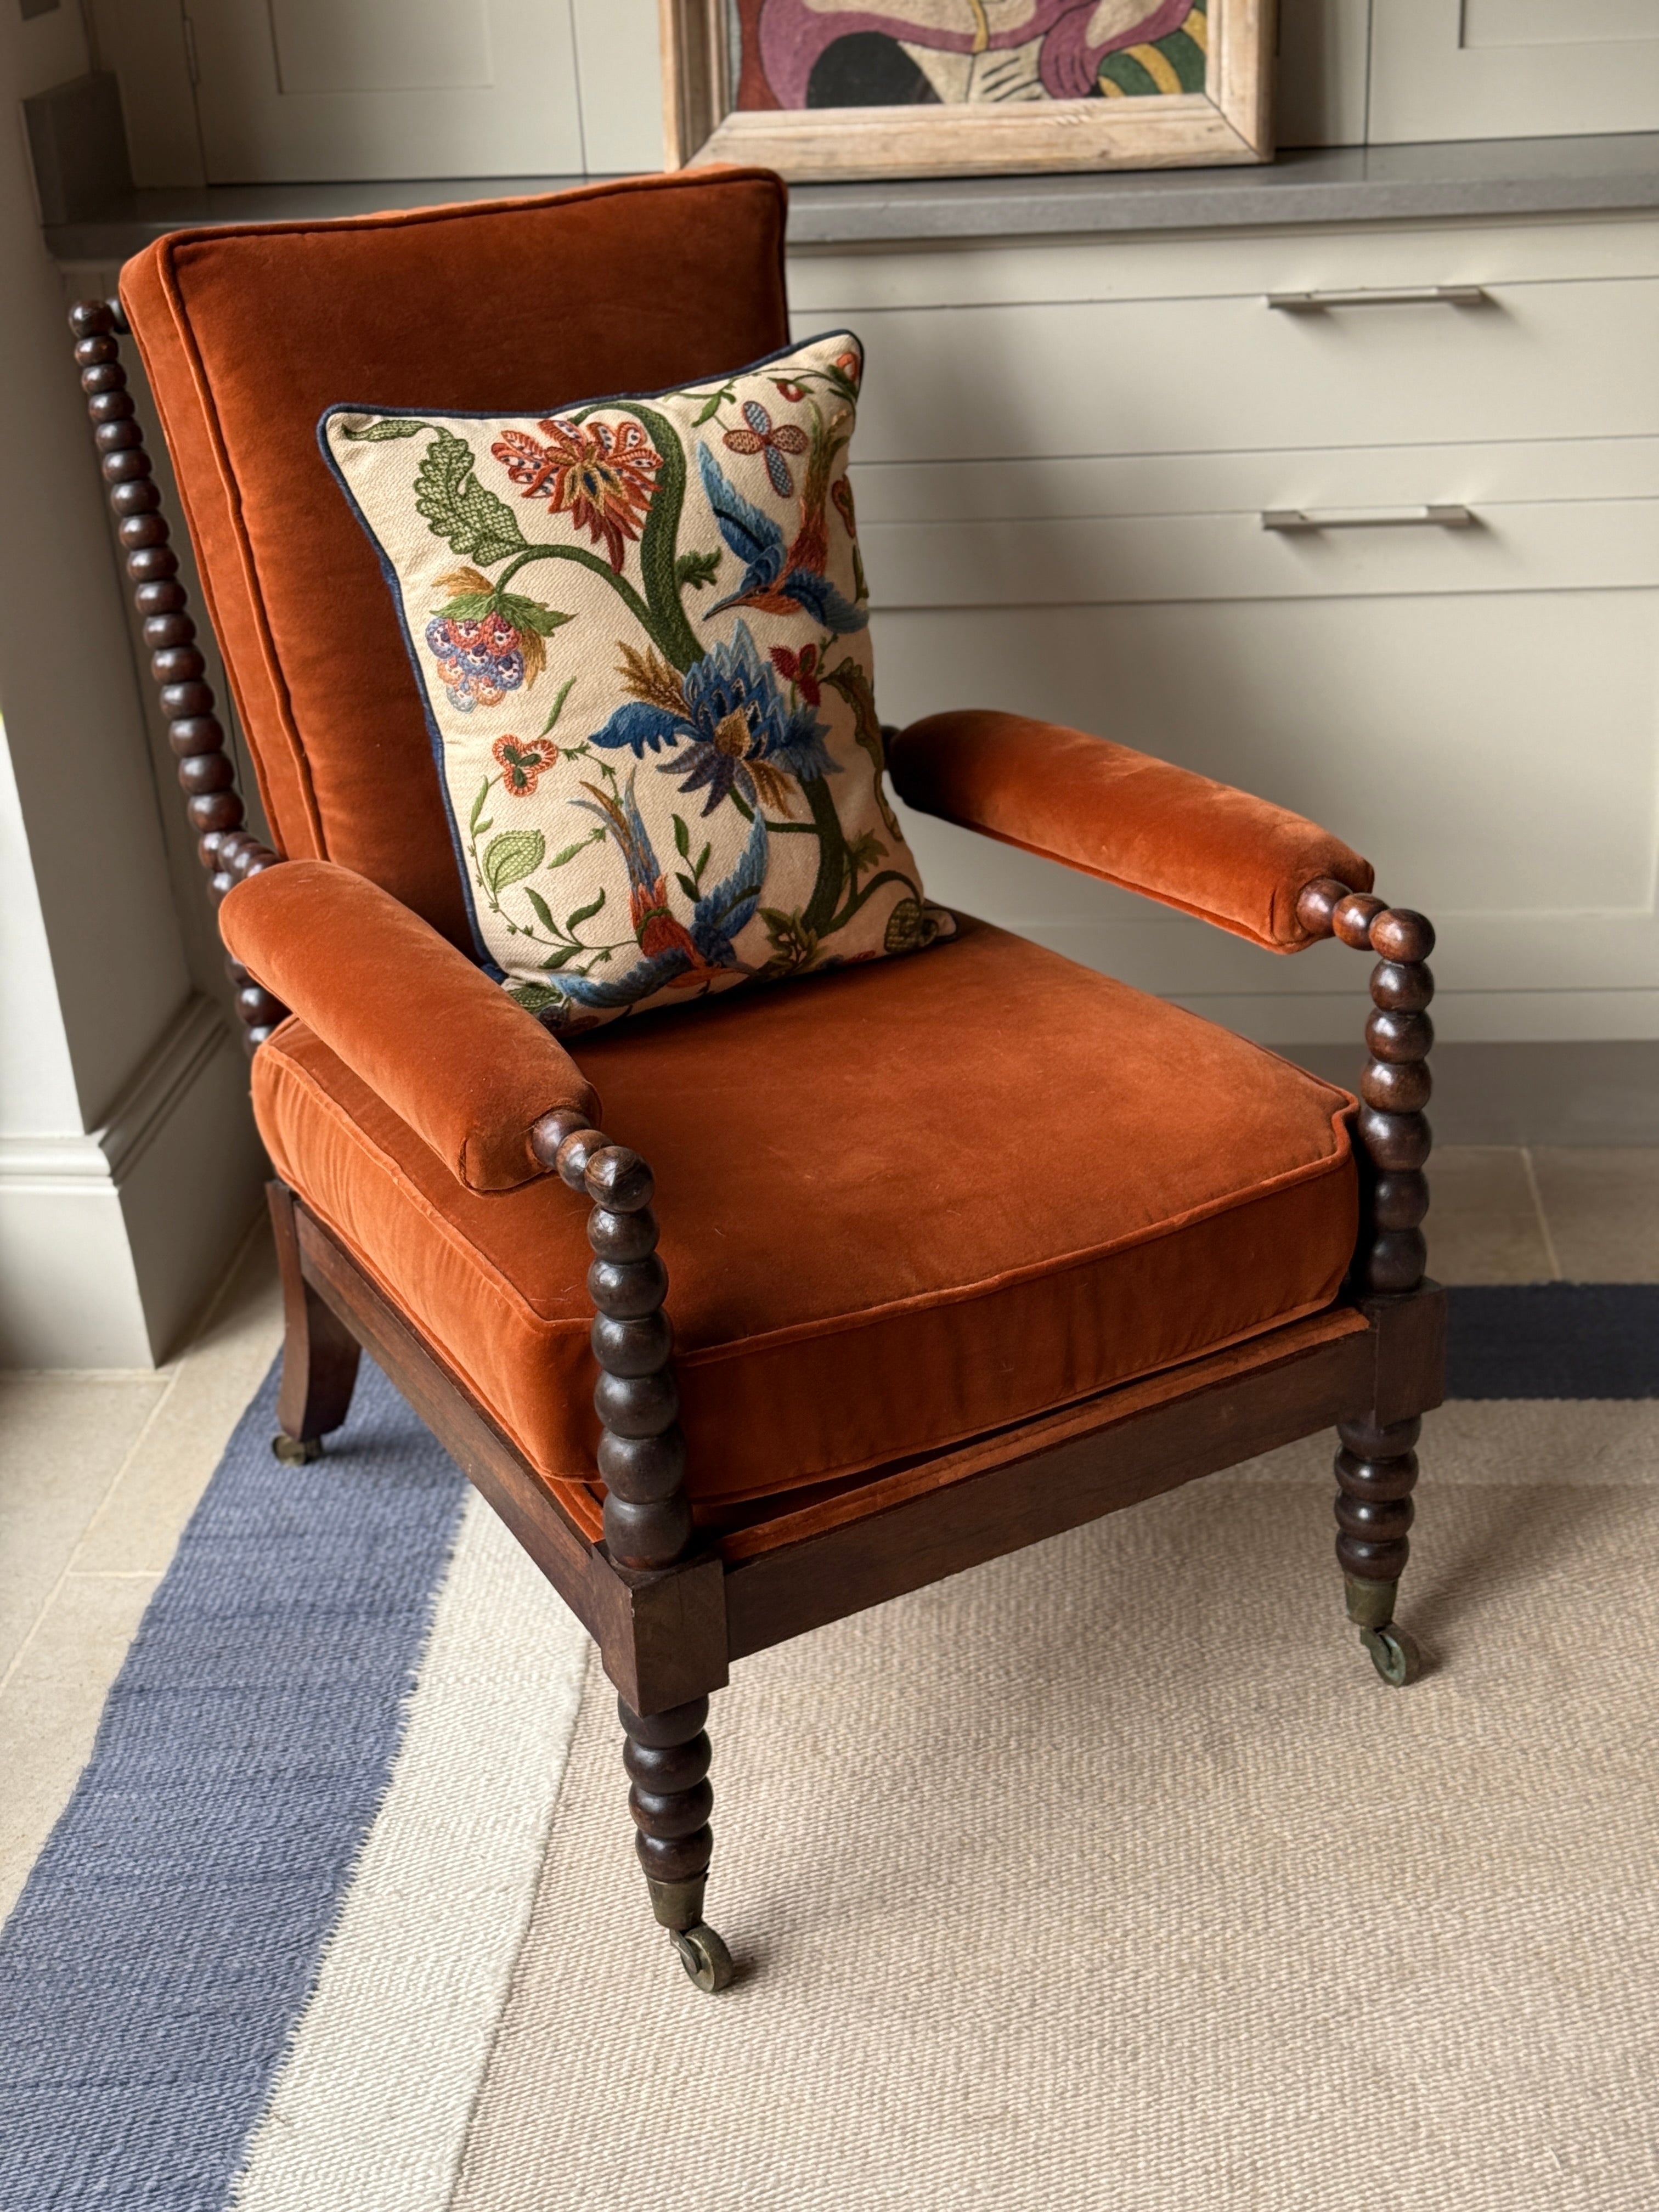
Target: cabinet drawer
(1556,358)
(1356,549)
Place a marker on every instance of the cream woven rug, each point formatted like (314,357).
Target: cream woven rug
(1108,1875)
(1106,1878)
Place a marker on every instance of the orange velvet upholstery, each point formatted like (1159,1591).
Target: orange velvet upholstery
(454,1057)
(1122,815)
(900,1205)
(518,306)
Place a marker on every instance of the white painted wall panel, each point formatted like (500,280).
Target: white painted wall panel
(1512,69)
(293,90)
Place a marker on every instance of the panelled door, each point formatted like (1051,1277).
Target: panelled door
(310,90)
(1512,68)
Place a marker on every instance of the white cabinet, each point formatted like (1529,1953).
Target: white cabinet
(1512,68)
(1066,456)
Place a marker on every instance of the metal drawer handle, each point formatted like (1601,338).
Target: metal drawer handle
(1368,517)
(1404,296)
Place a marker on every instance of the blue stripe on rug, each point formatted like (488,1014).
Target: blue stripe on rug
(170,1932)
(1553,1340)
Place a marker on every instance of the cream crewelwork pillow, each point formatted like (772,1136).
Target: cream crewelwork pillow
(640,625)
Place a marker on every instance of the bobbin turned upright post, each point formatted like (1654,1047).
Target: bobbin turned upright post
(1376,1465)
(225,849)
(648,1515)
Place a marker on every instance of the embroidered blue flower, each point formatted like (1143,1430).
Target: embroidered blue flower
(731,724)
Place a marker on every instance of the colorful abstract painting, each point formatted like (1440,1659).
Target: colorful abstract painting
(795,54)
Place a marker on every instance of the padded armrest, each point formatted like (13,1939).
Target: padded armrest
(450,1053)
(1131,820)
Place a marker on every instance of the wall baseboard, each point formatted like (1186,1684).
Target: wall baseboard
(110,1242)
(1605,1093)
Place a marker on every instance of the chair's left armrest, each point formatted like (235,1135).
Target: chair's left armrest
(1132,820)
(470,1071)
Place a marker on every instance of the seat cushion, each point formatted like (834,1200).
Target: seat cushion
(892,1219)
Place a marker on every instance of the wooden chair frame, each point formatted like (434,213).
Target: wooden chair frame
(669,1609)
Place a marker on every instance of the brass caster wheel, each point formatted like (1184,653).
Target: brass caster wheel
(703,1956)
(1394,1655)
(296,1451)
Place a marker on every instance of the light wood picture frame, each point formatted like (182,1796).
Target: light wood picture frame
(1173,84)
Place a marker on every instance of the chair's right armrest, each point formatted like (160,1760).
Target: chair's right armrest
(451,1055)
(1233,859)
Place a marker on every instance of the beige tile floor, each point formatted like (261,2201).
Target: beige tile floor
(99,1472)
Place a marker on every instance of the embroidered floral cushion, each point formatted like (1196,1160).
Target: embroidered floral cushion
(641,628)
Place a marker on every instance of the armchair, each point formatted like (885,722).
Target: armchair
(956,1251)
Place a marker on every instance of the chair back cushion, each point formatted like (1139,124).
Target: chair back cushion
(640,628)
(512,305)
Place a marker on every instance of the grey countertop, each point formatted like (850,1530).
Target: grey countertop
(1463,177)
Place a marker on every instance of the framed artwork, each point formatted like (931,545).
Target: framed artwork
(826,89)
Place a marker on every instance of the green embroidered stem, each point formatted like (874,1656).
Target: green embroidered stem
(887,876)
(832,858)
(636,606)
(660,547)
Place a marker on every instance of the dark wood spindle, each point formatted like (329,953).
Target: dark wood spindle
(226,849)
(648,1515)
(1376,1465)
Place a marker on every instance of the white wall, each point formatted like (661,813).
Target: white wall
(127,1166)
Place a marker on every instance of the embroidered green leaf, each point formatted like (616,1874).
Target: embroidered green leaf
(539,906)
(456,507)
(558,709)
(912,924)
(697,569)
(466,606)
(682,839)
(581,845)
(386,426)
(559,959)
(474,824)
(687,886)
(726,396)
(511,857)
(573,922)
(532,997)
(529,614)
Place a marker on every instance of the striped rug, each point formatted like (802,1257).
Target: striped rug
(342,1917)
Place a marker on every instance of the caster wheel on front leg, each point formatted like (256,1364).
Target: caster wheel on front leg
(703,1956)
(1394,1656)
(296,1451)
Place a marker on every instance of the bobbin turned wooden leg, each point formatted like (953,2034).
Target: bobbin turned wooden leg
(1376,1465)
(667,1760)
(1375,1474)
(319,1353)
(648,1515)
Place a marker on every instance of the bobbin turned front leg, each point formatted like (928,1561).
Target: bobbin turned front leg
(1376,1465)
(1375,1474)
(648,1525)
(666,1755)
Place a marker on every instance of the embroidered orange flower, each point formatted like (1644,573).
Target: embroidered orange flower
(602,475)
(523,761)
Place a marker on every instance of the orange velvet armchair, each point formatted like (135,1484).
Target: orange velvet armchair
(931,1258)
